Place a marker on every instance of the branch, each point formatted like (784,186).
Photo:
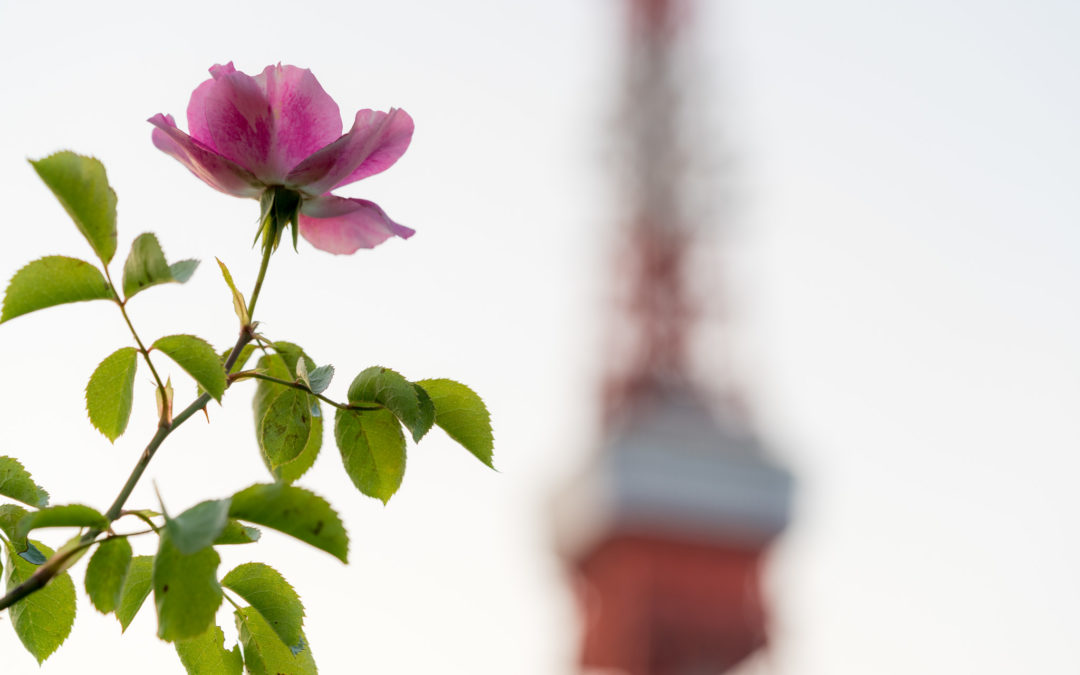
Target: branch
(55,565)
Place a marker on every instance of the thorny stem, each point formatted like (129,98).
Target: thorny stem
(54,565)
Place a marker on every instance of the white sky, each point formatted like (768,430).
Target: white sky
(907,234)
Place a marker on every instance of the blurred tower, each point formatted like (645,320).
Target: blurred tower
(666,529)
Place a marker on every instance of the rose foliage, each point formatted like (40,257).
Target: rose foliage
(276,137)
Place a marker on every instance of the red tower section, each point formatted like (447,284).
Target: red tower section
(666,529)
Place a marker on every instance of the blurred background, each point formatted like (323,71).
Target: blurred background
(866,379)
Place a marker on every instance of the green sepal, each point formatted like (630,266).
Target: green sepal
(372,450)
(186,590)
(43,619)
(206,654)
(272,596)
(110,392)
(265,653)
(51,281)
(388,388)
(106,572)
(294,511)
(137,585)
(146,266)
(198,358)
(16,483)
(199,526)
(66,515)
(463,416)
(82,188)
(280,208)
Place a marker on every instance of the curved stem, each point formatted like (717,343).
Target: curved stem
(54,565)
(141,516)
(231,601)
(267,250)
(245,375)
(163,432)
(122,304)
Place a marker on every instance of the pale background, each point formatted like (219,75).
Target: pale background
(906,184)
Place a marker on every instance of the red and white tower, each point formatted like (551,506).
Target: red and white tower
(666,530)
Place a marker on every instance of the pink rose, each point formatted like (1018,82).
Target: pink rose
(279,129)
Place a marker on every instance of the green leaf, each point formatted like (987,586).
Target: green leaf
(372,449)
(290,353)
(268,592)
(137,586)
(285,427)
(10,515)
(241,361)
(288,449)
(146,266)
(186,590)
(198,358)
(199,526)
(302,374)
(289,472)
(15,482)
(183,269)
(320,378)
(43,619)
(294,511)
(239,305)
(106,572)
(110,390)
(32,555)
(81,186)
(236,532)
(265,653)
(273,365)
(388,388)
(463,416)
(67,515)
(206,654)
(50,281)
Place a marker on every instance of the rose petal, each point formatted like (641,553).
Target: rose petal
(394,141)
(305,118)
(232,115)
(374,143)
(216,171)
(196,110)
(340,225)
(267,123)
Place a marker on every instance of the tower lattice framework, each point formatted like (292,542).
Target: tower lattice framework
(666,530)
